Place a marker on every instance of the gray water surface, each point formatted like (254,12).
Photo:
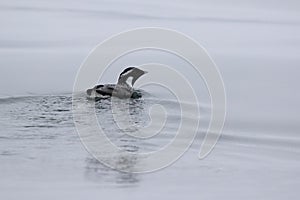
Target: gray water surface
(256,46)
(41,156)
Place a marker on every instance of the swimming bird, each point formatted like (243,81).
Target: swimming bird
(123,88)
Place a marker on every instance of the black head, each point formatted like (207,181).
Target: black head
(130,75)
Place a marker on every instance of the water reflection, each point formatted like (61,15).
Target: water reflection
(131,110)
(96,171)
(125,159)
(124,147)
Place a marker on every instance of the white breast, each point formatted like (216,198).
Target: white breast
(129,81)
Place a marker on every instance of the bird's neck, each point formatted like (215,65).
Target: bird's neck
(127,81)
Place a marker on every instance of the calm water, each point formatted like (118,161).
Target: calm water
(256,45)
(41,153)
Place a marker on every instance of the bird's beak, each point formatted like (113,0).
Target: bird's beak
(145,72)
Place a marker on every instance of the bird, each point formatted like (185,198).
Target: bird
(122,89)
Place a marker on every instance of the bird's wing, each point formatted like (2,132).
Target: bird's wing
(106,89)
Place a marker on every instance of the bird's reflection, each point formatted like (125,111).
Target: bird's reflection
(96,171)
(118,117)
(126,161)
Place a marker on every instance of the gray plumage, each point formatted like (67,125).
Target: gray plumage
(123,88)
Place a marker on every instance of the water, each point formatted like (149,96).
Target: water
(256,45)
(41,154)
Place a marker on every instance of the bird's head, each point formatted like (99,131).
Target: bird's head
(130,75)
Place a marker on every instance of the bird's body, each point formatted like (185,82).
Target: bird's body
(123,89)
